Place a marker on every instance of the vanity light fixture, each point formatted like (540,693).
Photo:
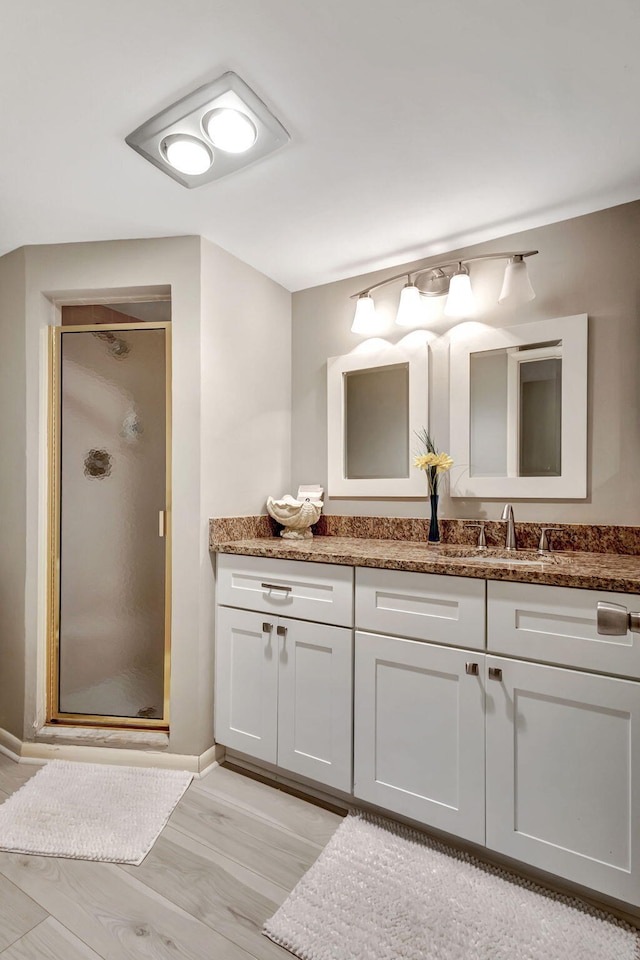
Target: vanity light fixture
(216,130)
(449,278)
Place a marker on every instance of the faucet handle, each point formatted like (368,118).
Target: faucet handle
(543,545)
(482,540)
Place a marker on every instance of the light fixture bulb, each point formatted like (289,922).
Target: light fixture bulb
(365,320)
(516,287)
(460,301)
(187,154)
(230,130)
(411,307)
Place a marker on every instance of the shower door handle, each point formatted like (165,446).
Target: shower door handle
(162,523)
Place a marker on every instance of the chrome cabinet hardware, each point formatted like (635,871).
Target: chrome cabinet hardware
(276,586)
(614,620)
(482,540)
(281,631)
(510,539)
(267,627)
(472,669)
(543,544)
(495,673)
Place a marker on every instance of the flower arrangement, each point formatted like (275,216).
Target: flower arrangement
(433,463)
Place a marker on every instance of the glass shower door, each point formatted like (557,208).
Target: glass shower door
(111,472)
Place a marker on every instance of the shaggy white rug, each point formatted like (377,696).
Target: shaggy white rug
(90,811)
(380,891)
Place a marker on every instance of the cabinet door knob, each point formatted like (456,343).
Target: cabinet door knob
(614,620)
(472,669)
(281,631)
(267,627)
(495,673)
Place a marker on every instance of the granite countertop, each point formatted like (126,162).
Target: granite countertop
(592,571)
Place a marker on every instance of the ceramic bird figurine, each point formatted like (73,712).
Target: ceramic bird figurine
(296,516)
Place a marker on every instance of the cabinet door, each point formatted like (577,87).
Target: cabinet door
(246,686)
(315,701)
(563,754)
(419,732)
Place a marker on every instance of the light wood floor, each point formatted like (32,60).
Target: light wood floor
(232,851)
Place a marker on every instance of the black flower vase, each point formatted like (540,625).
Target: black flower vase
(434,530)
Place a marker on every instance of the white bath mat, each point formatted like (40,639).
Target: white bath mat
(90,811)
(380,891)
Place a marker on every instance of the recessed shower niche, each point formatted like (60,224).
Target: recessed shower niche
(109,497)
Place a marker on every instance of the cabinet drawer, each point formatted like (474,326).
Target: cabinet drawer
(422,606)
(558,625)
(307,591)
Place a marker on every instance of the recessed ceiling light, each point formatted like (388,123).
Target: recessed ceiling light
(230,130)
(216,130)
(187,154)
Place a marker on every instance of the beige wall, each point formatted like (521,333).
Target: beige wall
(586,265)
(245,431)
(12,492)
(231,440)
(106,268)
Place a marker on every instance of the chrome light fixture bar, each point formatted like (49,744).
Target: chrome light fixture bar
(214,131)
(449,278)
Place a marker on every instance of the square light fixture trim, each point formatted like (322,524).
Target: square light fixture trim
(212,132)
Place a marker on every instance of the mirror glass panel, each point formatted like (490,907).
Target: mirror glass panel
(540,418)
(376,405)
(515,411)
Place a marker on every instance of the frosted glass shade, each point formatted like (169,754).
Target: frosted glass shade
(516,287)
(460,301)
(187,154)
(411,308)
(365,320)
(231,131)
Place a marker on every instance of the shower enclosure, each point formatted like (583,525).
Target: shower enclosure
(109,543)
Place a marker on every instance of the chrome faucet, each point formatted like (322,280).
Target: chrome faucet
(510,540)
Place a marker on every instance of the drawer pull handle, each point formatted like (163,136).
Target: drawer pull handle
(276,586)
(614,620)
(472,669)
(267,627)
(495,673)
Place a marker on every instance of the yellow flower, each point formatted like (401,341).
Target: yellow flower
(442,463)
(426,461)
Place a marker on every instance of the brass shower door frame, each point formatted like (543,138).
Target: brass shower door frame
(53,712)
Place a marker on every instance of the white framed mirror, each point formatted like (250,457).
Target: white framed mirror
(376,401)
(518,409)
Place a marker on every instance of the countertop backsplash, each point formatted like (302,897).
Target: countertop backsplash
(583,537)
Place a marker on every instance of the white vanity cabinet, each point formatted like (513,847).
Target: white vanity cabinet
(563,773)
(563,743)
(493,710)
(419,732)
(539,761)
(284,685)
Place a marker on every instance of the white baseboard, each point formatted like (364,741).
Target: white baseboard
(209,759)
(32,752)
(10,746)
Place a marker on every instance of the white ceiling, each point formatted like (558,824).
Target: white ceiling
(416,125)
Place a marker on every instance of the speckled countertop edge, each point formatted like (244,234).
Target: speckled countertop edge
(609,572)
